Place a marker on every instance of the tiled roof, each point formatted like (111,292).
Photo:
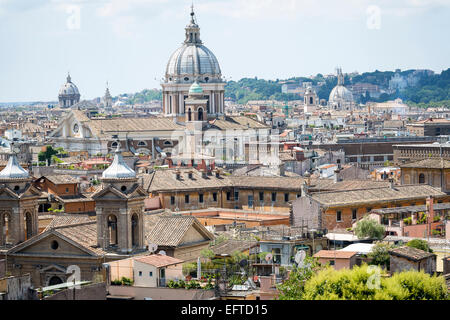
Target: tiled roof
(165,180)
(335,254)
(61,179)
(329,184)
(169,230)
(431,163)
(230,246)
(411,253)
(84,234)
(361,196)
(159,260)
(64,220)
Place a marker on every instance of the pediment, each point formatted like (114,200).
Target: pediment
(109,193)
(44,245)
(53,268)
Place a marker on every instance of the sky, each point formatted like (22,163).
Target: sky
(127,43)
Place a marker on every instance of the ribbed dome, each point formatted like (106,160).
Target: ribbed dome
(13,170)
(69,88)
(192,59)
(118,168)
(340,94)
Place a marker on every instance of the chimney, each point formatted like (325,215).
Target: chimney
(336,175)
(391,183)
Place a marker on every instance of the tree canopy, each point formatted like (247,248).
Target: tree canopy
(369,283)
(369,228)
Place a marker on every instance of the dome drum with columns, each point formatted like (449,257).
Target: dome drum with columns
(191,63)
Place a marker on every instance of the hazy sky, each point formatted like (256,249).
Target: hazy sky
(128,42)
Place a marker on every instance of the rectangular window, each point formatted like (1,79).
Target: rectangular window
(215,196)
(236,195)
(200,198)
(261,196)
(331,262)
(172,200)
(228,196)
(67,190)
(140,273)
(150,274)
(274,196)
(354,214)
(286,197)
(186,198)
(338,216)
(250,201)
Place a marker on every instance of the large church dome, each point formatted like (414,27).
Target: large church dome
(193,61)
(190,60)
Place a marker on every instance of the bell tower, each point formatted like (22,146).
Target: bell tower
(18,203)
(120,208)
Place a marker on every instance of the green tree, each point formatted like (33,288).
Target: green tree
(293,287)
(380,254)
(419,244)
(47,154)
(365,283)
(369,228)
(207,253)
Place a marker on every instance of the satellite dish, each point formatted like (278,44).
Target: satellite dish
(152,247)
(269,257)
(162,252)
(299,257)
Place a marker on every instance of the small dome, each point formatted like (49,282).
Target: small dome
(118,168)
(340,94)
(195,88)
(13,170)
(69,88)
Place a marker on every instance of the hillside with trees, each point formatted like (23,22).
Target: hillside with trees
(430,91)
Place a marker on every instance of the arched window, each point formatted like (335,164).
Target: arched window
(114,144)
(141,144)
(189,115)
(28,225)
(421,178)
(311,100)
(134,230)
(112,230)
(200,114)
